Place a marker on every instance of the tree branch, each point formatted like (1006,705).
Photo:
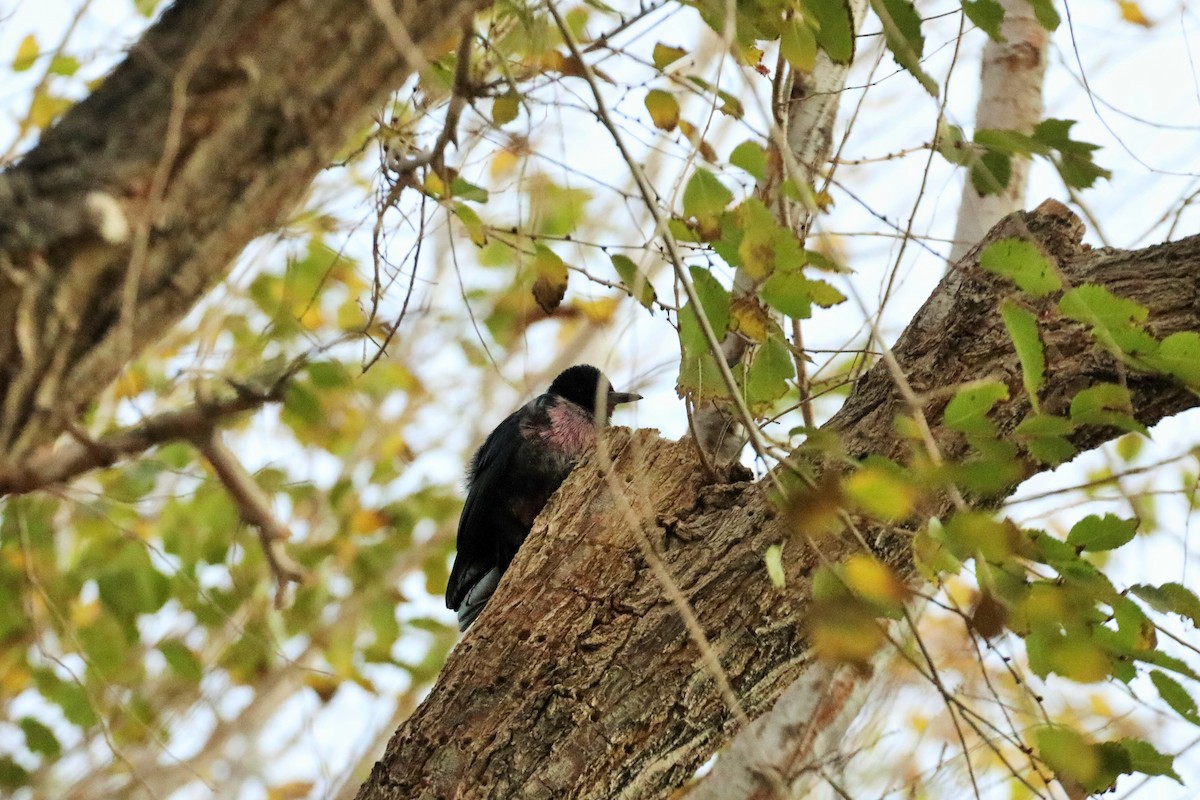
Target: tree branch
(83,454)
(255,508)
(282,85)
(579,679)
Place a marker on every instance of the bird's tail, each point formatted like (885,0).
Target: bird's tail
(477,597)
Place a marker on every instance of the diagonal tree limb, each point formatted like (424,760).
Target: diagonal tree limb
(579,680)
(281,88)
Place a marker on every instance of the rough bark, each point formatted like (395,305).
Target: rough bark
(579,679)
(1010,97)
(137,201)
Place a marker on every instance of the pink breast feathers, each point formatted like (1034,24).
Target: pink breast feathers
(571,428)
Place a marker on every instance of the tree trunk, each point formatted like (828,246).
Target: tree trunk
(1010,97)
(139,199)
(580,681)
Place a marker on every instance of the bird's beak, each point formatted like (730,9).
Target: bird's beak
(616,398)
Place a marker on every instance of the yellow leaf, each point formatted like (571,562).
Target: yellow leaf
(434,184)
(131,383)
(46,108)
(27,53)
(312,318)
(663,108)
(843,631)
(84,614)
(504,162)
(324,684)
(600,309)
(506,108)
(874,581)
(881,493)
(551,282)
(1131,12)
(774,561)
(367,520)
(665,54)
(292,790)
(749,318)
(14,680)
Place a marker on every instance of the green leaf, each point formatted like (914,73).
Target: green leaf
(181,660)
(985,15)
(1106,404)
(1045,13)
(1071,756)
(550,285)
(105,645)
(824,294)
(12,774)
(27,54)
(991,172)
(932,557)
(883,489)
(1174,695)
(1179,356)
(834,28)
(769,373)
(1144,758)
(1170,598)
(1096,533)
(461,187)
(634,280)
(1074,160)
(64,65)
(472,223)
(505,108)
(798,44)
(1023,329)
(71,697)
(1045,437)
(714,300)
(774,561)
(1022,263)
(902,34)
(39,738)
(787,292)
(971,533)
(665,54)
(751,157)
(1114,321)
(704,195)
(699,375)
(1010,142)
(664,110)
(967,411)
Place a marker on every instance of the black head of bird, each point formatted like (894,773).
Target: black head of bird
(512,476)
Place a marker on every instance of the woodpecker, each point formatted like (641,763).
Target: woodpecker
(512,476)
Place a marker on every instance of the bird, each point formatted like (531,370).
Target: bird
(512,476)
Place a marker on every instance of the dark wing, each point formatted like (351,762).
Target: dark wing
(483,517)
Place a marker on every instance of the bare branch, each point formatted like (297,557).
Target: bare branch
(83,454)
(255,507)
